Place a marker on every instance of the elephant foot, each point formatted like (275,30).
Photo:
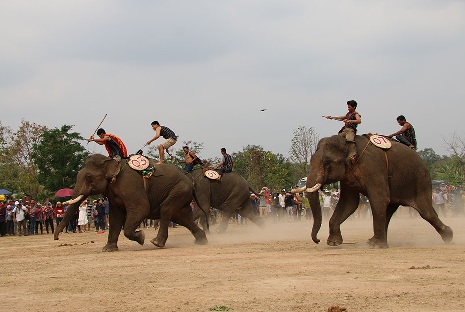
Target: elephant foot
(377,243)
(158,243)
(334,240)
(447,235)
(201,240)
(221,229)
(110,247)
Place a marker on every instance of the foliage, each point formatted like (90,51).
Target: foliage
(17,168)
(59,156)
(303,144)
(263,168)
(429,157)
(450,169)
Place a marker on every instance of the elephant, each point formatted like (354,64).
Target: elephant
(388,177)
(230,194)
(165,195)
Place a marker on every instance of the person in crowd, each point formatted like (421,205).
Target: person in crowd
(289,202)
(82,217)
(2,218)
(351,120)
(32,217)
(10,224)
(277,211)
(169,136)
(101,215)
(59,211)
(308,210)
(39,219)
(20,218)
(113,144)
(262,208)
(406,134)
(282,202)
(299,199)
(227,163)
(439,202)
(95,215)
(326,195)
(190,160)
(107,213)
(89,214)
(49,215)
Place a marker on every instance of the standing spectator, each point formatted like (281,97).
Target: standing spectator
(89,214)
(10,224)
(20,218)
(32,218)
(101,216)
(107,213)
(2,218)
(82,217)
(59,211)
(277,211)
(326,204)
(308,210)
(299,199)
(289,202)
(438,201)
(39,219)
(49,216)
(262,204)
(282,202)
(95,215)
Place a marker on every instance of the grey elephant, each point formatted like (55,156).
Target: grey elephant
(165,195)
(230,194)
(388,177)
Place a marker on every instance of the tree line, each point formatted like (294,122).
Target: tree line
(36,160)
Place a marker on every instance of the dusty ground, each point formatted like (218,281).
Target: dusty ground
(278,268)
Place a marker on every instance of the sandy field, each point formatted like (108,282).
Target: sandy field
(277,268)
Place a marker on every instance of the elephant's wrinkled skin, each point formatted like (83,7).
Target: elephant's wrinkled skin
(166,196)
(230,194)
(388,178)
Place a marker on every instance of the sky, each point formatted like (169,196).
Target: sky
(206,69)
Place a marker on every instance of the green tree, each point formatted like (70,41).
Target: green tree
(450,169)
(18,170)
(429,157)
(59,155)
(262,168)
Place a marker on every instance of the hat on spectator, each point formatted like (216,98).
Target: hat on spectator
(16,202)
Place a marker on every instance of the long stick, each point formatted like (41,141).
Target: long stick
(98,126)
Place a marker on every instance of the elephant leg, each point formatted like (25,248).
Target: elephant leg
(382,213)
(134,218)
(426,211)
(184,217)
(203,223)
(228,207)
(117,219)
(391,209)
(347,204)
(247,211)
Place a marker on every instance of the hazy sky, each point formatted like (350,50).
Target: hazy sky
(206,68)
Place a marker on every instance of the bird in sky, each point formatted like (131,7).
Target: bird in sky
(263,109)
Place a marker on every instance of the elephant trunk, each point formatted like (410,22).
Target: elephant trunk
(69,213)
(314,201)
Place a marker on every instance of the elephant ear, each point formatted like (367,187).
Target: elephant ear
(112,168)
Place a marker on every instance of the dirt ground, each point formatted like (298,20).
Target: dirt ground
(277,268)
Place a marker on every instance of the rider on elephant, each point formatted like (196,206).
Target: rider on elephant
(348,131)
(191,160)
(115,147)
(226,165)
(406,135)
(169,136)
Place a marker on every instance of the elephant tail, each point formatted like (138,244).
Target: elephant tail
(206,212)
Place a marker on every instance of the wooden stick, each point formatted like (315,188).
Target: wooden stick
(98,126)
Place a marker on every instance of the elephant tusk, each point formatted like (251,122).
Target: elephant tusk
(73,201)
(314,188)
(299,190)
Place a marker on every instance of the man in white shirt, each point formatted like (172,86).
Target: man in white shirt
(20,218)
